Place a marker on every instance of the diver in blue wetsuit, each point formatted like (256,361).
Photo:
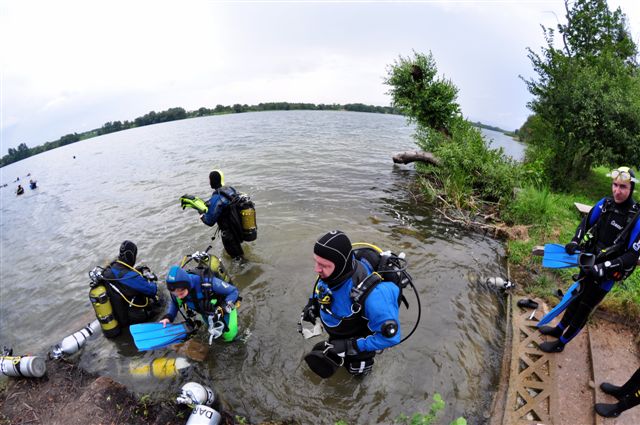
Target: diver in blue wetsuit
(132,291)
(219,210)
(207,295)
(356,329)
(611,232)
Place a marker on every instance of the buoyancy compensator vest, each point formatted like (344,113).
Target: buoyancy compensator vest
(605,244)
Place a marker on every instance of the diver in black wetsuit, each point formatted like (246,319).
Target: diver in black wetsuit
(611,231)
(628,396)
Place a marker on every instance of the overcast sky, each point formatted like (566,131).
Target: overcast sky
(71,66)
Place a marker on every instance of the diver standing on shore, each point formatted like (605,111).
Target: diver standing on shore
(611,234)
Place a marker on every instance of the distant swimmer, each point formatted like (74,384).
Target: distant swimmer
(19,190)
(33,184)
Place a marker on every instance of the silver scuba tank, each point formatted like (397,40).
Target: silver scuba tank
(22,366)
(72,343)
(499,282)
(194,393)
(204,415)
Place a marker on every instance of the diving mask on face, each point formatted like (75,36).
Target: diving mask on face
(623,174)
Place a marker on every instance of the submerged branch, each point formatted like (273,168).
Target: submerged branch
(411,156)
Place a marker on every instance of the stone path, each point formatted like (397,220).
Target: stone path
(559,389)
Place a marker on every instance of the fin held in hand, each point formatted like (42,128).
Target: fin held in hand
(555,257)
(149,336)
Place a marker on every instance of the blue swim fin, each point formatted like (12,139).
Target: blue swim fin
(555,257)
(573,291)
(149,336)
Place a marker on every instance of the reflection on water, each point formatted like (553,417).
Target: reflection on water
(308,172)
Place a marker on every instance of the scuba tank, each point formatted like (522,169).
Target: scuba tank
(21,366)
(247,211)
(206,262)
(204,415)
(161,367)
(72,343)
(194,393)
(499,282)
(102,305)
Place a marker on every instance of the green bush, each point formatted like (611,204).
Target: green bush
(469,170)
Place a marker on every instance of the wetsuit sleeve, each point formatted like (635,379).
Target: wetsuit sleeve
(381,306)
(588,221)
(139,284)
(216,204)
(229,291)
(172,309)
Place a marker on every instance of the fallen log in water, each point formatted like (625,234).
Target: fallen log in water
(411,156)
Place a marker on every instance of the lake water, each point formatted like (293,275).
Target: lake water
(308,172)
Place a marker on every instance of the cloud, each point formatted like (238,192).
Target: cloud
(70,66)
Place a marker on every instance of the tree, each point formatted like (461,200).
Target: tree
(587,94)
(418,94)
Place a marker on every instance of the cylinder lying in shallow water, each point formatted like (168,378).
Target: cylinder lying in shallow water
(23,366)
(161,367)
(194,393)
(499,282)
(75,341)
(204,415)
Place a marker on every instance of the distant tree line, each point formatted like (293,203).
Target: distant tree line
(173,114)
(494,128)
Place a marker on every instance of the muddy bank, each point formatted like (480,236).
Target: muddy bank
(68,395)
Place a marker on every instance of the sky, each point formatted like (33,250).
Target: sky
(70,66)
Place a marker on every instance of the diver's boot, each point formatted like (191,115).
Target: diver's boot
(553,331)
(614,410)
(552,346)
(613,390)
(608,410)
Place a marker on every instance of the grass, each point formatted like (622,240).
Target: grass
(552,218)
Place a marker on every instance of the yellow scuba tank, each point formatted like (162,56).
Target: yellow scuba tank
(248,218)
(207,261)
(161,367)
(102,304)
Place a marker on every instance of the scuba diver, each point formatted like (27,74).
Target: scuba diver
(233,212)
(19,190)
(610,233)
(131,292)
(628,396)
(356,329)
(205,294)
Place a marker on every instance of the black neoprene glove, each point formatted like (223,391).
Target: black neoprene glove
(571,247)
(311,311)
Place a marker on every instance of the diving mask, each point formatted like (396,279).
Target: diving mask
(623,174)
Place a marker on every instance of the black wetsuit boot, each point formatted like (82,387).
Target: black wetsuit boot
(628,394)
(552,346)
(620,392)
(614,410)
(554,331)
